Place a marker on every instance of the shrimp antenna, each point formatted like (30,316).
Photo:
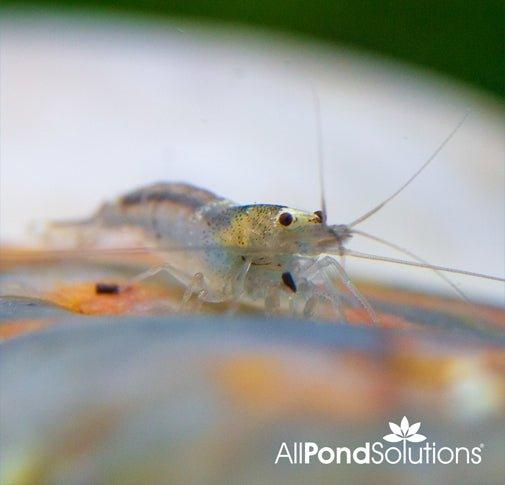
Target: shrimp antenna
(425,164)
(374,257)
(414,257)
(319,142)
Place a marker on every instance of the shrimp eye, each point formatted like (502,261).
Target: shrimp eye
(319,215)
(285,219)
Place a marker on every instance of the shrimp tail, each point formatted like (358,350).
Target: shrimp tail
(71,233)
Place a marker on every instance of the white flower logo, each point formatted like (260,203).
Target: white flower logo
(404,432)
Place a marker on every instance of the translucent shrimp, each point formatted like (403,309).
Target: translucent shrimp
(224,252)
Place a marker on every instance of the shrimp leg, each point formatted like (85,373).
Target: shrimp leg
(196,286)
(234,287)
(310,307)
(330,268)
(236,281)
(147,274)
(332,293)
(173,272)
(236,284)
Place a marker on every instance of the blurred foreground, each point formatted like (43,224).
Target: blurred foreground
(131,398)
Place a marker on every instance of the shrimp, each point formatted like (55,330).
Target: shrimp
(228,251)
(224,252)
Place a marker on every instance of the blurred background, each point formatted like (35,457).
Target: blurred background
(97,98)
(100,97)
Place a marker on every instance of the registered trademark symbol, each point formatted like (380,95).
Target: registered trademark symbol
(482,445)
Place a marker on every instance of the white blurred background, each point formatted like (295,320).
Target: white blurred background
(90,109)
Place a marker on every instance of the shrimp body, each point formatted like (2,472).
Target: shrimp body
(222,251)
(225,252)
(231,251)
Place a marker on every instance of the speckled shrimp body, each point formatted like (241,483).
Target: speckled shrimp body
(224,252)
(232,253)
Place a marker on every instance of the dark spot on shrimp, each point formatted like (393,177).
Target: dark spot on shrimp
(319,215)
(288,280)
(261,262)
(106,289)
(180,194)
